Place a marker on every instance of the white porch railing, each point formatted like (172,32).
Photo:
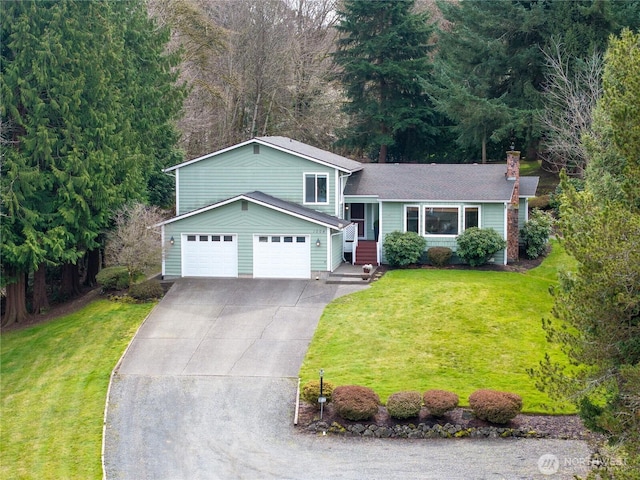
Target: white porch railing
(350,240)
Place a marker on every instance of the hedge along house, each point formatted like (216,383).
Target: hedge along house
(272,207)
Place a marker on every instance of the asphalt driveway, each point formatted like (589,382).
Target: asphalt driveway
(230,327)
(207,388)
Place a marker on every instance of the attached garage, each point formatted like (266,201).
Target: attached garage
(281,256)
(257,235)
(206,255)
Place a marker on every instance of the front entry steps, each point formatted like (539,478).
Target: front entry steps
(348,274)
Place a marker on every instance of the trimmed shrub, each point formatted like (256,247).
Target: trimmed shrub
(439,402)
(535,233)
(477,245)
(147,290)
(403,405)
(354,402)
(113,278)
(311,391)
(402,249)
(439,256)
(495,406)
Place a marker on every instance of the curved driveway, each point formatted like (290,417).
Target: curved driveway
(207,388)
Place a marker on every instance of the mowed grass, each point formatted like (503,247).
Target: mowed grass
(54,380)
(457,330)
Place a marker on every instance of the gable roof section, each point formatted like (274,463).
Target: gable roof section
(436,182)
(288,145)
(274,203)
(528,186)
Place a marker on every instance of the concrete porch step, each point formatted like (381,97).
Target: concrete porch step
(347,274)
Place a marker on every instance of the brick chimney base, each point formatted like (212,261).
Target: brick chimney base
(513,237)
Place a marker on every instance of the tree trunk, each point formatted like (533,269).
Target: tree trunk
(255,115)
(93,267)
(16,307)
(382,157)
(70,284)
(484,148)
(40,298)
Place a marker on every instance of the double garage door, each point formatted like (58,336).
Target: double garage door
(274,256)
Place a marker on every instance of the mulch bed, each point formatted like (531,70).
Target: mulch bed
(550,426)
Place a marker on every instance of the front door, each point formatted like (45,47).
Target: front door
(358,217)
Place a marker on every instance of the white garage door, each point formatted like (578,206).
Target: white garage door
(281,256)
(205,255)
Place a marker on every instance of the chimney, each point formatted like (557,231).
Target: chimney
(513,237)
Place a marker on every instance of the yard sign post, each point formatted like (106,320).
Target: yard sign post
(321,399)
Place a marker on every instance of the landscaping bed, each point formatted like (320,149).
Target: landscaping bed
(458,423)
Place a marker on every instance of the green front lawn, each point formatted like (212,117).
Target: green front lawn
(54,380)
(458,330)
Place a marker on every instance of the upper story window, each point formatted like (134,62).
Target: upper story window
(316,188)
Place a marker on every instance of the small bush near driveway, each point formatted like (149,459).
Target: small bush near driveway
(439,402)
(147,290)
(113,278)
(494,406)
(354,402)
(311,391)
(403,405)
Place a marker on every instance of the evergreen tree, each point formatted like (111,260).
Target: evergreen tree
(383,54)
(597,308)
(75,141)
(492,66)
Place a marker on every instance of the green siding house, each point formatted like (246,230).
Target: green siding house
(272,207)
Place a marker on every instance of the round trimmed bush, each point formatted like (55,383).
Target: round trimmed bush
(113,278)
(535,233)
(354,402)
(439,402)
(147,290)
(439,256)
(403,405)
(311,391)
(495,406)
(403,248)
(477,245)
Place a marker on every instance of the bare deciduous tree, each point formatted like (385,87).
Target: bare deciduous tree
(134,241)
(571,94)
(270,75)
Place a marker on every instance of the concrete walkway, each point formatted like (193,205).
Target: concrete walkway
(206,390)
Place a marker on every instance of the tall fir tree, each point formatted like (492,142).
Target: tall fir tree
(597,307)
(72,138)
(492,68)
(383,55)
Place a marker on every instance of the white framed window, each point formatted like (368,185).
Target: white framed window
(441,220)
(471,217)
(316,188)
(412,218)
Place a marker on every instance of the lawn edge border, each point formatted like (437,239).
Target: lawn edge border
(111,376)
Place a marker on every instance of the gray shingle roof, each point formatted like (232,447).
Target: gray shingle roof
(312,152)
(270,201)
(437,182)
(297,209)
(528,186)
